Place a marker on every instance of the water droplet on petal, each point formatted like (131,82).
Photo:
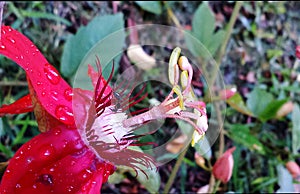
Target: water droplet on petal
(29,160)
(34,186)
(57,131)
(64,114)
(70,188)
(2,47)
(54,95)
(51,74)
(39,83)
(47,151)
(12,40)
(43,93)
(68,94)
(46,179)
(18,186)
(73,163)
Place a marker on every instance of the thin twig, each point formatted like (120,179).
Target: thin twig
(175,170)
(229,29)
(13,83)
(237,7)
(1,14)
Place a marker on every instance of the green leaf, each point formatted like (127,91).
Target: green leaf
(49,16)
(203,23)
(196,47)
(217,39)
(152,182)
(258,100)
(263,182)
(203,148)
(203,26)
(271,110)
(77,46)
(237,103)
(150,6)
(296,128)
(1,127)
(241,134)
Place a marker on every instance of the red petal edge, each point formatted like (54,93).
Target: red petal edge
(50,88)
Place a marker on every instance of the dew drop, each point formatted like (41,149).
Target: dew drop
(43,93)
(54,95)
(2,47)
(29,147)
(57,131)
(70,188)
(12,40)
(39,83)
(51,74)
(65,144)
(29,160)
(68,94)
(47,151)
(18,186)
(64,114)
(46,179)
(73,163)
(34,186)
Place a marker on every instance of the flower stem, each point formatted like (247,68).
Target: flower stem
(216,186)
(228,32)
(175,170)
(212,183)
(172,15)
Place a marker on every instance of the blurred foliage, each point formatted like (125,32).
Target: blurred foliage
(259,61)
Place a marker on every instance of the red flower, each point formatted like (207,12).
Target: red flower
(293,168)
(298,52)
(222,169)
(57,161)
(227,93)
(77,152)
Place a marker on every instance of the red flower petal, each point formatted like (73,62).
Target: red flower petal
(48,85)
(298,52)
(21,105)
(55,162)
(222,169)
